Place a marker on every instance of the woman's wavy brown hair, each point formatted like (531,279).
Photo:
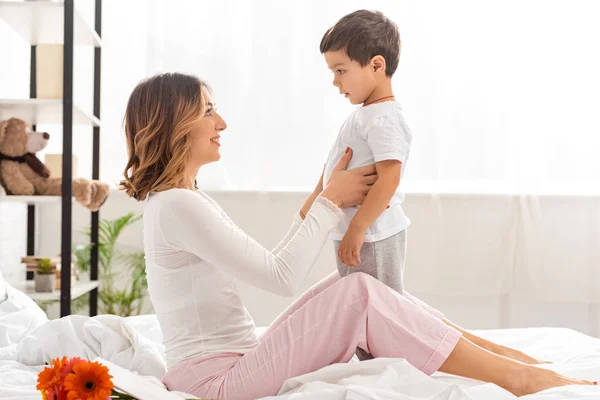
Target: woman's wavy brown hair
(160,113)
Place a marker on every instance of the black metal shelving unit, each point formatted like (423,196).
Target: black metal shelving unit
(16,14)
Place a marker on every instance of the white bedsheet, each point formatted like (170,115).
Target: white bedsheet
(571,352)
(28,340)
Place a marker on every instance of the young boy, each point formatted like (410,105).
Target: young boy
(363,50)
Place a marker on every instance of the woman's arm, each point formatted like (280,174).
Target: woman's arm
(368,171)
(313,196)
(301,215)
(191,223)
(296,223)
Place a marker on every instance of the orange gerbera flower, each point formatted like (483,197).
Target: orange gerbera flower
(50,377)
(54,394)
(68,367)
(89,381)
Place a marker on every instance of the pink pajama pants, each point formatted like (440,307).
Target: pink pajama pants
(324,326)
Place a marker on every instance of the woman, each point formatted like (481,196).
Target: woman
(195,254)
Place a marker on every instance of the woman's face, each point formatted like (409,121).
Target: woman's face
(205,136)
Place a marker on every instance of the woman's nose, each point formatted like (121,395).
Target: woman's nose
(221,124)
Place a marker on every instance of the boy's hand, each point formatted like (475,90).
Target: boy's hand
(349,251)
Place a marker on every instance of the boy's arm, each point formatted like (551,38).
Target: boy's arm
(378,199)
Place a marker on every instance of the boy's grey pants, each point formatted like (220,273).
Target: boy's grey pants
(384,260)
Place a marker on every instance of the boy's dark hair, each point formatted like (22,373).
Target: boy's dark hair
(365,34)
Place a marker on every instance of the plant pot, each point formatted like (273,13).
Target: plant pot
(44,282)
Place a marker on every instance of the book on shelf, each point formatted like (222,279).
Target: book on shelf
(33,260)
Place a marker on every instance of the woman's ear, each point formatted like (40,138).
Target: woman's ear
(378,64)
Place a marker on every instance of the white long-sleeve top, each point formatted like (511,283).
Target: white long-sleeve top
(194,256)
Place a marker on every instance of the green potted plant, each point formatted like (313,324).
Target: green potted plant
(124,300)
(45,277)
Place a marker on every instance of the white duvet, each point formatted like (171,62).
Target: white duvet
(28,340)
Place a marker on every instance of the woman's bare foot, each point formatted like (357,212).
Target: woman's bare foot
(469,360)
(533,379)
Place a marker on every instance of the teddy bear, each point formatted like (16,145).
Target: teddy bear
(22,173)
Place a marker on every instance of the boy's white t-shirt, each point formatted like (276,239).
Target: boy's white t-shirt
(377,132)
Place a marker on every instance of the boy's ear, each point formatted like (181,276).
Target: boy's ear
(378,64)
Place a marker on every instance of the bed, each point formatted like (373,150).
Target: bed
(28,339)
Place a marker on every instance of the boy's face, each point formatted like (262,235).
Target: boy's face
(355,82)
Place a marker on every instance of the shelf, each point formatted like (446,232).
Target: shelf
(43,111)
(30,199)
(41,22)
(77,290)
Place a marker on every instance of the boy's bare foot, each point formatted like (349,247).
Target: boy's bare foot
(533,379)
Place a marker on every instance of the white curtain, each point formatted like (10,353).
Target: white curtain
(497,93)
